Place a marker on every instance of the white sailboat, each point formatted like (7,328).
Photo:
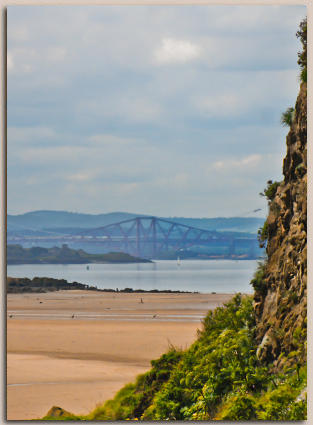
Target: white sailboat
(178,261)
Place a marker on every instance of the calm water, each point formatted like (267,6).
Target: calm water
(223,276)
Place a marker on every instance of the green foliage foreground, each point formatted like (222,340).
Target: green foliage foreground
(218,377)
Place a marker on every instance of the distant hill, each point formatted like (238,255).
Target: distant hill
(16,254)
(40,220)
(44,222)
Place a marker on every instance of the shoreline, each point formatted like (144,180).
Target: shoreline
(20,285)
(145,261)
(79,362)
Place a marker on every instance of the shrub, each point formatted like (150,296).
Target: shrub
(263,235)
(223,358)
(270,191)
(302,56)
(287,117)
(133,399)
(281,404)
(240,407)
(258,282)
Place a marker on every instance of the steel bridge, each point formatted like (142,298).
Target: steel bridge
(150,236)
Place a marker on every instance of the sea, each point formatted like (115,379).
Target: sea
(205,276)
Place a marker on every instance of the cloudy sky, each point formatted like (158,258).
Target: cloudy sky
(163,110)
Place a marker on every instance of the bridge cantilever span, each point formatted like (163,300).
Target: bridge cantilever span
(148,236)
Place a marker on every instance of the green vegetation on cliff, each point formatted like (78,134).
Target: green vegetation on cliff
(218,377)
(302,56)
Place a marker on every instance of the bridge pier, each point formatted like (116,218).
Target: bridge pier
(153,238)
(138,237)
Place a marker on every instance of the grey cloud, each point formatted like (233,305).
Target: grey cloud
(96,120)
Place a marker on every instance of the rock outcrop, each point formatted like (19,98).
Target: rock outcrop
(58,412)
(281,303)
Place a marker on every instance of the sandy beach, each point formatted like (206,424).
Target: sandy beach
(76,349)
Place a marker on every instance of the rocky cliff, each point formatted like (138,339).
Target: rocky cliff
(281,301)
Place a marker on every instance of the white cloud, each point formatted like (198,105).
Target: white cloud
(51,154)
(106,139)
(222,105)
(128,107)
(127,188)
(10,63)
(19,34)
(140,109)
(255,19)
(181,180)
(244,94)
(250,161)
(24,59)
(80,177)
(56,54)
(29,134)
(32,180)
(176,51)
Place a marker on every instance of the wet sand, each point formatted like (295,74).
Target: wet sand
(76,349)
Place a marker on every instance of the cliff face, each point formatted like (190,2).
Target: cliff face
(281,305)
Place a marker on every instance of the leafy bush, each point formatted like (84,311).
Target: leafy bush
(218,361)
(258,279)
(263,235)
(132,400)
(270,191)
(282,403)
(302,56)
(287,117)
(239,407)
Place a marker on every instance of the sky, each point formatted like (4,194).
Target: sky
(161,110)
